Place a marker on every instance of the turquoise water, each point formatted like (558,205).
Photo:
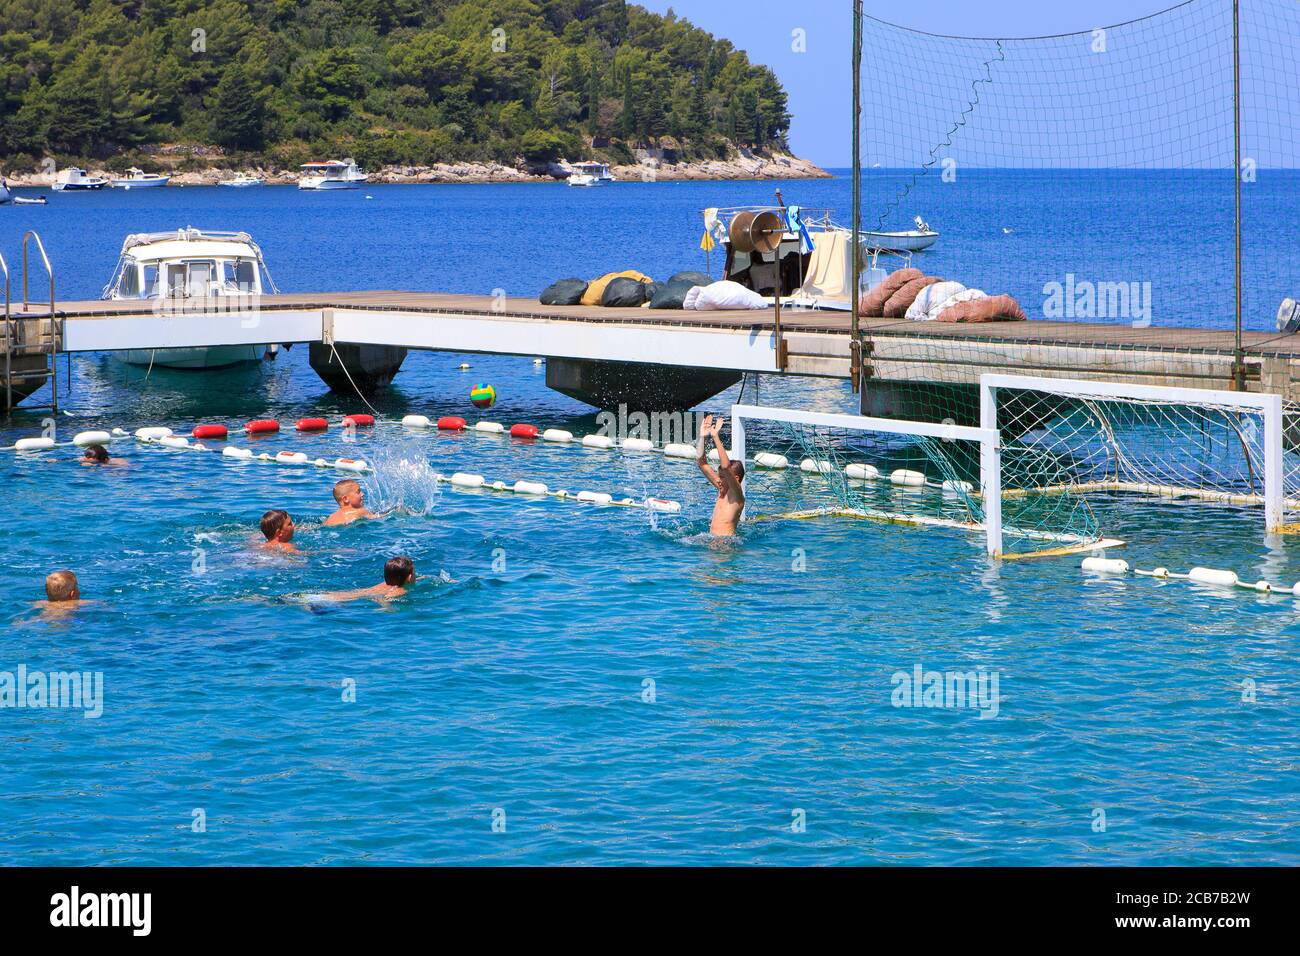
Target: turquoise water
(511,683)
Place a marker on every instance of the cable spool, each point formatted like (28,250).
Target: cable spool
(312,425)
(751,232)
(209,431)
(738,232)
(81,439)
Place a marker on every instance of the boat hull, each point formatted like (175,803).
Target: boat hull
(78,187)
(140,183)
(899,241)
(196,359)
(333,184)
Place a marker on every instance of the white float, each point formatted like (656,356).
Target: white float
(600,498)
(530,488)
(953,487)
(638,444)
(91,438)
(679,450)
(152,433)
(291,458)
(908,479)
(820,467)
(557,435)
(174,441)
(33,444)
(862,472)
(663,504)
(493,428)
(597,441)
(230,451)
(415,421)
(351,464)
(1106,565)
(767,459)
(464,480)
(1214,576)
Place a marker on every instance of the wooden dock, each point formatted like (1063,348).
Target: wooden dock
(816,342)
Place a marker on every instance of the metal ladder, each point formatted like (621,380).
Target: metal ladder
(28,335)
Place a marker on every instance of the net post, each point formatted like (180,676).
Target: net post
(1274,474)
(738,442)
(991,469)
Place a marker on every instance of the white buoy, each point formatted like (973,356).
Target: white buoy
(530,488)
(663,504)
(152,433)
(767,459)
(597,441)
(600,498)
(91,438)
(33,444)
(1160,573)
(319,462)
(820,467)
(862,472)
(464,480)
(557,435)
(291,458)
(1263,587)
(638,444)
(494,428)
(416,421)
(120,433)
(230,451)
(908,479)
(954,487)
(1106,565)
(679,450)
(1215,576)
(499,486)
(463,366)
(351,464)
(1295,589)
(174,441)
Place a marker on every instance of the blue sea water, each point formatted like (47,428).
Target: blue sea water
(606,685)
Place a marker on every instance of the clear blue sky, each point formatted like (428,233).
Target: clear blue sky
(818,81)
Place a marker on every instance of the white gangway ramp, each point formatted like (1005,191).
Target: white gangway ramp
(1218,446)
(988,439)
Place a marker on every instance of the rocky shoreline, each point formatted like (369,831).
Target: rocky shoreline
(743,166)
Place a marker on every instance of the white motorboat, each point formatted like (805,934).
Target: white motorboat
(5,194)
(193,272)
(138,179)
(590,174)
(74,179)
(911,240)
(334,174)
(30,200)
(242,181)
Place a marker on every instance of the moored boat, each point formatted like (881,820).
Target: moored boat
(75,179)
(334,174)
(242,181)
(136,178)
(590,174)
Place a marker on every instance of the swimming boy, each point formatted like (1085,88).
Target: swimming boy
(98,455)
(399,572)
(727,479)
(62,593)
(278,528)
(351,501)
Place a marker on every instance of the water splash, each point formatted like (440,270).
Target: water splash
(403,480)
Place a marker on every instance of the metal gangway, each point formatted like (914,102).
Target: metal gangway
(31,342)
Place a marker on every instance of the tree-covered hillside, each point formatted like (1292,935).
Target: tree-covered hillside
(387,81)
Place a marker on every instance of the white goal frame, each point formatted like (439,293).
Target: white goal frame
(988,438)
(1267,404)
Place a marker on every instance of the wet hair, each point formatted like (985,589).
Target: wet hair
(272,522)
(398,571)
(60,586)
(737,470)
(96,453)
(344,487)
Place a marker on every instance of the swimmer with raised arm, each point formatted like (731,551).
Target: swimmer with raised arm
(278,528)
(727,479)
(399,573)
(351,501)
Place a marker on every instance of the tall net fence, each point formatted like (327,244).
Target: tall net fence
(1092,177)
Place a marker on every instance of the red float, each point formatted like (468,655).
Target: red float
(358,420)
(451,423)
(262,426)
(312,425)
(209,431)
(523,431)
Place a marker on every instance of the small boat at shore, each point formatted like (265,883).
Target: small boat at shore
(138,179)
(590,174)
(911,240)
(334,174)
(74,179)
(242,181)
(30,200)
(192,268)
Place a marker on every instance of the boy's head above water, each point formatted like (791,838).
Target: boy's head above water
(277,525)
(399,571)
(348,494)
(62,586)
(95,453)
